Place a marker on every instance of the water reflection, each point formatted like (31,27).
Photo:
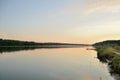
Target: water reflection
(12,49)
(21,48)
(52,64)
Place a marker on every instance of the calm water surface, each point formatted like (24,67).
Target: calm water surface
(53,64)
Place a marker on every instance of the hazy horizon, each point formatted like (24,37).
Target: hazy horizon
(71,21)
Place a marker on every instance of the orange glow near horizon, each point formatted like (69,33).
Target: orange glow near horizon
(69,21)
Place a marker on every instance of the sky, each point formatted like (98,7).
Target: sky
(74,21)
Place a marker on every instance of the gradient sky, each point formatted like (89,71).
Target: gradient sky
(76,21)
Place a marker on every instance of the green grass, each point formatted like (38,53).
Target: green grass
(107,53)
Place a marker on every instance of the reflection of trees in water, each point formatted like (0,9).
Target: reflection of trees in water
(18,48)
(11,49)
(7,45)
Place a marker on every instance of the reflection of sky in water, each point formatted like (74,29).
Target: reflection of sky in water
(53,64)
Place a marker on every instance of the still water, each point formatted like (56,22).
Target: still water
(53,64)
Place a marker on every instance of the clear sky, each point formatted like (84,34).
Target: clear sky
(75,21)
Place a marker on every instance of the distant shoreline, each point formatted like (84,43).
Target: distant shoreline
(17,43)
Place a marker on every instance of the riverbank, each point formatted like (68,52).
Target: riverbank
(18,43)
(110,54)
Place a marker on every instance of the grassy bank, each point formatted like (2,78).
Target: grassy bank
(108,54)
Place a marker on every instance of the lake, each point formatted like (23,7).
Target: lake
(53,64)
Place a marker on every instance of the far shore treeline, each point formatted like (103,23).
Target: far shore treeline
(8,43)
